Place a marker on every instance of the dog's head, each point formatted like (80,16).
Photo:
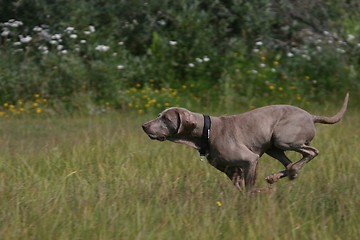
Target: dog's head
(170,124)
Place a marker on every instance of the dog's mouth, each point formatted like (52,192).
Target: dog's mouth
(159,138)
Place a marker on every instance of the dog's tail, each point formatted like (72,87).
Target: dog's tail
(336,118)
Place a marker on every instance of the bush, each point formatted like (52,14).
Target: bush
(229,52)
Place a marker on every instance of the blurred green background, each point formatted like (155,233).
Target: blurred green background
(91,56)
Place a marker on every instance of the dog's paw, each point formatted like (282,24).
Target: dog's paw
(273,178)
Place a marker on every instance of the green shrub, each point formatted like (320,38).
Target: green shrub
(230,52)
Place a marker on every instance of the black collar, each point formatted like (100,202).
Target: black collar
(204,143)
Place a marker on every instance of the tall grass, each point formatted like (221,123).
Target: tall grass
(102,178)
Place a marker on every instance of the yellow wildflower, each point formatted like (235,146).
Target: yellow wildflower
(38,110)
(218,203)
(271,87)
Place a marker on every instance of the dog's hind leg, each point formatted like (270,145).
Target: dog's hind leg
(279,155)
(308,154)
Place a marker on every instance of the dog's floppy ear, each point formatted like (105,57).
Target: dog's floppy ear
(186,121)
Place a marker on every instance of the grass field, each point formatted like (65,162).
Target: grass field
(102,178)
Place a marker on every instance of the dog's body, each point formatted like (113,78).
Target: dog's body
(237,142)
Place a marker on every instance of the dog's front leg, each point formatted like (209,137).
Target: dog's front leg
(242,172)
(236,175)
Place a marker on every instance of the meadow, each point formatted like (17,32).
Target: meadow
(77,79)
(101,177)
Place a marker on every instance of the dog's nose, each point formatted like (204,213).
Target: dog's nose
(144,127)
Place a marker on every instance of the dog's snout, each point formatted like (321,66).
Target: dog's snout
(146,127)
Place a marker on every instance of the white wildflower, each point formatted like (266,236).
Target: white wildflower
(120,43)
(64,51)
(17,44)
(259,43)
(56,36)
(191,65)
(53,42)
(43,49)
(37,29)
(60,47)
(350,37)
(13,23)
(5,32)
(91,28)
(199,60)
(102,48)
(206,58)
(120,67)
(262,65)
(73,36)
(69,29)
(290,54)
(254,72)
(87,32)
(25,39)
(82,41)
(342,42)
(162,22)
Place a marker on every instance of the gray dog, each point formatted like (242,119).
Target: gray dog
(234,144)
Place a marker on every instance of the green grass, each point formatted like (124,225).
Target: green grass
(102,178)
